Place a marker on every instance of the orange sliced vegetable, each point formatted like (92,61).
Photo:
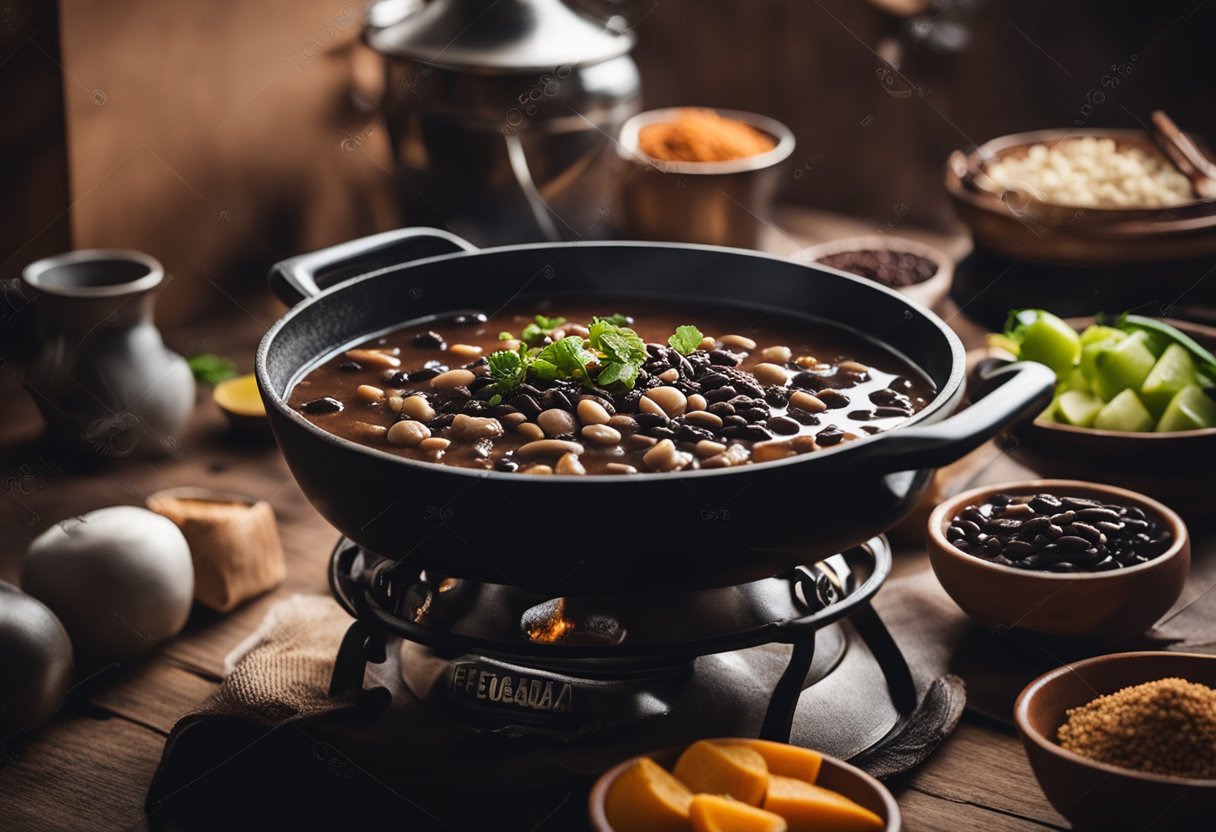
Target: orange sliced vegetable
(787,760)
(810,808)
(646,798)
(724,769)
(712,813)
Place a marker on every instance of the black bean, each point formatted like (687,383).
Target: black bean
(350,366)
(901,384)
(974,514)
(887,412)
(756,433)
(1086,531)
(754,414)
(1018,549)
(441,422)
(803,417)
(556,399)
(861,415)
(972,530)
(712,381)
(661,432)
(734,421)
(1077,503)
(475,407)
(1071,543)
(433,364)
(884,396)
(834,399)
(430,340)
(1045,504)
(1035,525)
(650,420)
(721,409)
(1064,518)
(657,351)
(693,433)
(1110,528)
(506,465)
(423,374)
(783,425)
(325,404)
(831,435)
(724,358)
(721,394)
(954,533)
(1092,515)
(807,381)
(526,405)
(776,396)
(469,319)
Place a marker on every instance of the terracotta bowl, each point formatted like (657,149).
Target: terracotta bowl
(834,774)
(1103,606)
(1023,228)
(1166,466)
(927,293)
(1095,795)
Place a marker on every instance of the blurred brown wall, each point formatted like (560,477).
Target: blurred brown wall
(223,136)
(219,137)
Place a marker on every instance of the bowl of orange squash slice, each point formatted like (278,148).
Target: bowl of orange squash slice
(740,785)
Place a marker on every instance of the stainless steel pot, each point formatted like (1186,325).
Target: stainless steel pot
(503,114)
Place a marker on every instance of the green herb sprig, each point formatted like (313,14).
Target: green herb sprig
(611,356)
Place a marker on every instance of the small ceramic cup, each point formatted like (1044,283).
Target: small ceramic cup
(719,203)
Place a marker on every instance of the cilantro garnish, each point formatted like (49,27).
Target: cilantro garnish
(610,356)
(686,339)
(623,351)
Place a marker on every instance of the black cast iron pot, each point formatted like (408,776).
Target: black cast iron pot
(613,534)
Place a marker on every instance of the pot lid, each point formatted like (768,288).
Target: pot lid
(508,35)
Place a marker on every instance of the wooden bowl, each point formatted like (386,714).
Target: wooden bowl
(1103,606)
(1096,795)
(834,774)
(1031,230)
(1165,466)
(927,293)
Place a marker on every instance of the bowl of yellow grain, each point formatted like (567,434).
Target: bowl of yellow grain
(1125,741)
(740,785)
(698,175)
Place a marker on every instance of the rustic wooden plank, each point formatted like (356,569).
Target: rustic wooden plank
(983,764)
(155,694)
(925,812)
(79,773)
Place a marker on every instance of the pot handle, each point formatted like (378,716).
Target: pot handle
(1012,393)
(295,278)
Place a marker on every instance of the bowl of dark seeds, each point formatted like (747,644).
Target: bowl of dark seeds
(919,271)
(1060,557)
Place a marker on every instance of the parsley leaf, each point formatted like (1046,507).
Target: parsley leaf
(549,323)
(567,358)
(623,353)
(505,336)
(508,369)
(686,339)
(617,319)
(532,335)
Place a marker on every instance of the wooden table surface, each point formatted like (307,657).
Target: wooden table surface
(89,768)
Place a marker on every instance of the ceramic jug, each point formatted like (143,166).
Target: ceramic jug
(101,375)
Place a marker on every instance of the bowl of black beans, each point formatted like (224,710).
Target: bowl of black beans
(1060,557)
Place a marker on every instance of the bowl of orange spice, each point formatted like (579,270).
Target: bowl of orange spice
(696,175)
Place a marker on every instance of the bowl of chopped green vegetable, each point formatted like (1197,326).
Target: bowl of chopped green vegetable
(1135,405)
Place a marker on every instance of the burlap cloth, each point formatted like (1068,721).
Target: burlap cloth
(270,750)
